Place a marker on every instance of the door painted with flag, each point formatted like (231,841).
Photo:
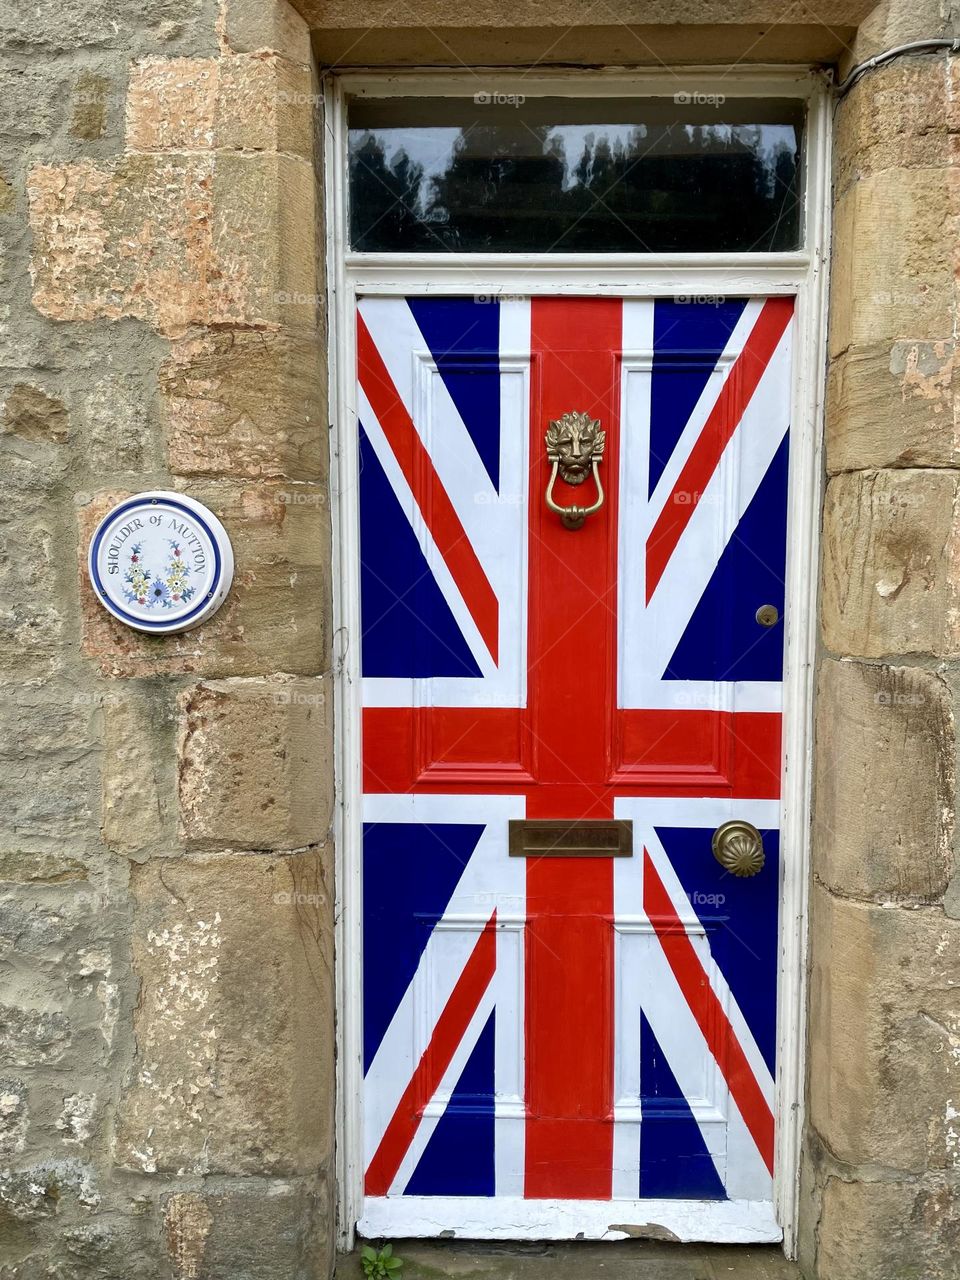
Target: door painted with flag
(557,1046)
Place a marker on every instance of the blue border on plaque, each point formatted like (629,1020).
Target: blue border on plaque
(117,610)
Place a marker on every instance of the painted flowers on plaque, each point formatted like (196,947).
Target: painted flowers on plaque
(161,562)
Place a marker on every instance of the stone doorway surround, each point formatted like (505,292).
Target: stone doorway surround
(167,1099)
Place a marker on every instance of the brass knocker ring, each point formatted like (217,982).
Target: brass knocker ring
(574,443)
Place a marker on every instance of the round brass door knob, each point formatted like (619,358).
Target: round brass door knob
(738,846)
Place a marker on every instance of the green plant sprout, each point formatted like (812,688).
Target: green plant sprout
(382,1265)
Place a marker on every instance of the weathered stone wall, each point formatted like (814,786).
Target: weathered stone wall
(881,1177)
(166,1100)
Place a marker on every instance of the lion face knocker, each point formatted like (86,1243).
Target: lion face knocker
(573,441)
(575,446)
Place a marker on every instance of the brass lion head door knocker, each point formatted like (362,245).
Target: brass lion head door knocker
(574,445)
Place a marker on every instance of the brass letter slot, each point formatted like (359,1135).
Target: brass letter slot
(558,838)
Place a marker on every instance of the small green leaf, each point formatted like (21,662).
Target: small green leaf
(393,1264)
(368,1254)
(386,1251)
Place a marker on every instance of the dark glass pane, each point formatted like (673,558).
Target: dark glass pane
(560,175)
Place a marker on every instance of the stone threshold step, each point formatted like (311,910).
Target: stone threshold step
(619,1260)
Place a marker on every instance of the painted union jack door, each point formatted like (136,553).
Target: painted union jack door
(566,1045)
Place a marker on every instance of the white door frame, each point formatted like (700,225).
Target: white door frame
(803,274)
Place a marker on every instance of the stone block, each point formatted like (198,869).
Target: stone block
(45,1189)
(251,102)
(171,104)
(243,403)
(892,267)
(893,118)
(893,406)
(263,230)
(234,1025)
(890,1230)
(78,1117)
(109,1247)
(34,1037)
(138,769)
(131,239)
(274,26)
(49,740)
(33,415)
(25,339)
(890,563)
(120,423)
(884,1068)
(267,103)
(34,427)
(267,1231)
(22,868)
(33,101)
(176,240)
(256,763)
(33,599)
(276,616)
(60,982)
(882,831)
(93,96)
(14,1118)
(50,26)
(712,14)
(8,195)
(893,22)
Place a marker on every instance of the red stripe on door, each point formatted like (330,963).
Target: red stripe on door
(732,401)
(706,1008)
(575,345)
(428,492)
(450,1029)
(569,1028)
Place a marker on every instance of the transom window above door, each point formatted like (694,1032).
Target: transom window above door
(692,173)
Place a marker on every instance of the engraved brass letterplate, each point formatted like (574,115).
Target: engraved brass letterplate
(559,838)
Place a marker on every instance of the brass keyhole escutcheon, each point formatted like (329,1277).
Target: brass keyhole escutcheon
(574,446)
(768,615)
(738,847)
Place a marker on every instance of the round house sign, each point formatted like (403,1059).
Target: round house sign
(161,562)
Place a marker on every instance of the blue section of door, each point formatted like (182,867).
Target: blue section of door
(674,1161)
(723,640)
(408,629)
(410,871)
(463,335)
(459,1158)
(740,917)
(688,340)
